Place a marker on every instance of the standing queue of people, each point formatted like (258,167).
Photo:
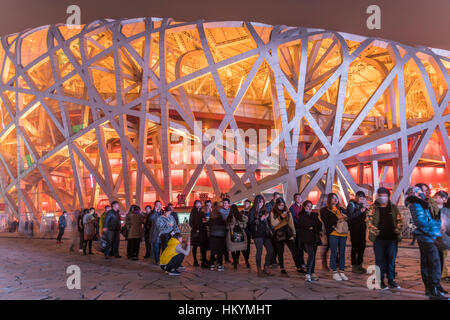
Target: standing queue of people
(221,229)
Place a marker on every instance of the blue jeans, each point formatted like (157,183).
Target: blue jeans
(385,253)
(156,251)
(337,243)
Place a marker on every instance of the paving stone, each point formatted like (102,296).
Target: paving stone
(36,269)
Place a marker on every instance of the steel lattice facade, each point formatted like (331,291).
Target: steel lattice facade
(88,114)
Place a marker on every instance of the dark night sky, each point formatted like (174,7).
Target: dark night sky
(413,22)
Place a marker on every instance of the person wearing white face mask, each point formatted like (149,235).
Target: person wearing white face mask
(384,223)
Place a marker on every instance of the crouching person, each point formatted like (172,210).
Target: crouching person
(173,255)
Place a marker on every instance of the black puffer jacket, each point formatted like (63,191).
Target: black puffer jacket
(112,221)
(199,232)
(356,218)
(305,223)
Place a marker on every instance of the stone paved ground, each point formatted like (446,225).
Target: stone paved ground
(36,269)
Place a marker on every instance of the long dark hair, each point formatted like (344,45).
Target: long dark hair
(215,210)
(329,198)
(254,208)
(133,208)
(194,208)
(234,212)
(276,212)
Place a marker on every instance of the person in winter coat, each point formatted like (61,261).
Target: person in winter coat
(356,213)
(440,199)
(236,236)
(269,206)
(199,233)
(295,210)
(173,213)
(261,233)
(384,223)
(89,229)
(333,215)
(428,229)
(134,221)
(445,230)
(246,212)
(224,211)
(284,233)
(154,234)
(147,231)
(102,218)
(217,242)
(173,256)
(62,226)
(309,228)
(167,227)
(112,227)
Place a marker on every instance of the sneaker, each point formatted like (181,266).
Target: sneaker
(181,268)
(393,285)
(308,278)
(174,273)
(221,268)
(213,267)
(314,277)
(383,285)
(336,276)
(343,276)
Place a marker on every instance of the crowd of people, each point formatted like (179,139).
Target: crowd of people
(225,231)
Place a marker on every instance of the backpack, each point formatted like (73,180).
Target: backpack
(237,235)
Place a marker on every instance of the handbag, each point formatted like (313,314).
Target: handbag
(342,227)
(284,233)
(103,243)
(237,235)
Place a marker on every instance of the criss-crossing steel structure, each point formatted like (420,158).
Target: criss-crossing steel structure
(89,114)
